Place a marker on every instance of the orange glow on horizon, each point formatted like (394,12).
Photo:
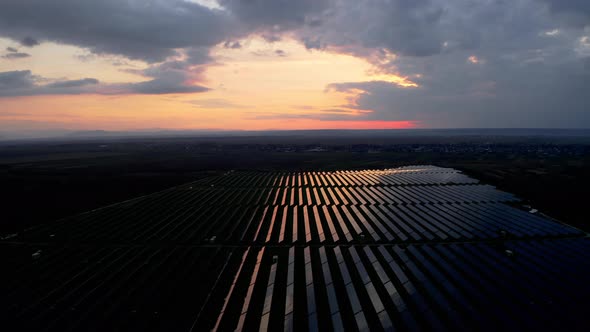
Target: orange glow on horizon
(319,124)
(243,83)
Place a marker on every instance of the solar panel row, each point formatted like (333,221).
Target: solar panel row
(467,286)
(197,212)
(414,248)
(393,177)
(274,224)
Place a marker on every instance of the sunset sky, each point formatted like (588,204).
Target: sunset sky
(278,64)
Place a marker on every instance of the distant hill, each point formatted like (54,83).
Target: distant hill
(475,132)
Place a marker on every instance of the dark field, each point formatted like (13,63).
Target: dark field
(46,181)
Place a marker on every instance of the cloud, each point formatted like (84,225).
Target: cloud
(473,59)
(73,83)
(270,53)
(167,84)
(138,29)
(499,94)
(16,80)
(24,83)
(29,41)
(13,53)
(17,55)
(374,29)
(477,64)
(571,12)
(232,44)
(408,27)
(175,76)
(381,97)
(276,15)
(383,31)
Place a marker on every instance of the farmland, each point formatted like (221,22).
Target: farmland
(408,248)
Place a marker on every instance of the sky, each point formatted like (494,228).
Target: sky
(293,64)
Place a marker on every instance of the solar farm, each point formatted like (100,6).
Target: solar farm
(410,248)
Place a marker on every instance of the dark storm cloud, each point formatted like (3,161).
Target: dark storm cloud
(138,29)
(278,14)
(523,95)
(402,26)
(581,6)
(11,50)
(420,28)
(408,26)
(153,30)
(413,28)
(531,69)
(573,12)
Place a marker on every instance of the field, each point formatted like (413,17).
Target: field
(410,248)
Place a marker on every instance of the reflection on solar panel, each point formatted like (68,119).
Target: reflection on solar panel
(413,248)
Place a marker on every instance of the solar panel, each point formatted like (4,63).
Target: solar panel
(417,247)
